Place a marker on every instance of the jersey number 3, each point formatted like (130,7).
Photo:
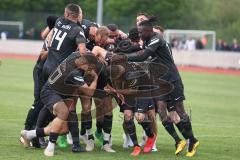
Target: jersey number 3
(57,37)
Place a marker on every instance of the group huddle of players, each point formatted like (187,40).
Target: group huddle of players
(82,60)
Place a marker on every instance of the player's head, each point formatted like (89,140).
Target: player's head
(87,62)
(101,37)
(73,12)
(51,21)
(141,17)
(113,31)
(134,35)
(158,29)
(145,29)
(115,71)
(92,31)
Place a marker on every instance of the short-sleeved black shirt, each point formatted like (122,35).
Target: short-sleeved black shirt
(60,79)
(66,37)
(161,53)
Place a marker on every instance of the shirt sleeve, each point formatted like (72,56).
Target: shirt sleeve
(80,36)
(140,56)
(75,78)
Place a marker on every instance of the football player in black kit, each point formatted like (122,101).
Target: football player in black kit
(57,89)
(159,51)
(67,37)
(32,116)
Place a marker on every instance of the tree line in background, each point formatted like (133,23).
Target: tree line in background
(219,15)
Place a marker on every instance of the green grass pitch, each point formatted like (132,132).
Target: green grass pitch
(214,101)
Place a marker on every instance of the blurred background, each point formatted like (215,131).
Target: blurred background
(197,26)
(221,16)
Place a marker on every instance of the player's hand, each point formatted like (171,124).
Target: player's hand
(140,117)
(102,61)
(109,89)
(174,117)
(93,73)
(121,97)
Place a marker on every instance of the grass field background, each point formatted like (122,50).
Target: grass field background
(214,101)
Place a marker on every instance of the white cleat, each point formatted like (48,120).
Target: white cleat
(127,142)
(49,151)
(83,138)
(24,140)
(90,145)
(69,139)
(108,148)
(144,139)
(154,149)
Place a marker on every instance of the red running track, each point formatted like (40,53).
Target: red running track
(181,68)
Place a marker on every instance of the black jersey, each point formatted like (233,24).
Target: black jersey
(158,50)
(162,54)
(60,78)
(66,37)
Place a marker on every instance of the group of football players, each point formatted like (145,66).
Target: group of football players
(83,60)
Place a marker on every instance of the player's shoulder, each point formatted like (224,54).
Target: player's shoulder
(156,38)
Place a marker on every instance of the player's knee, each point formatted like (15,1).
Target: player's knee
(62,112)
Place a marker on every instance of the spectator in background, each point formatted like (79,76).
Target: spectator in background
(226,46)
(219,46)
(235,47)
(199,44)
(204,41)
(190,44)
(3,35)
(29,34)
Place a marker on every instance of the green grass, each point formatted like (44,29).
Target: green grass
(214,101)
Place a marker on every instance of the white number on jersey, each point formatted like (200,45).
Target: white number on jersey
(56,36)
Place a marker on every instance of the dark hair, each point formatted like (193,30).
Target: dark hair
(149,22)
(112,27)
(159,28)
(133,34)
(51,21)
(74,8)
(90,58)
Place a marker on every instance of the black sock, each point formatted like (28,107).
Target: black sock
(90,137)
(83,129)
(107,124)
(130,126)
(40,132)
(171,130)
(73,127)
(147,128)
(181,129)
(189,132)
(53,137)
(99,125)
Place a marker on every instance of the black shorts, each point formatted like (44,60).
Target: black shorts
(49,97)
(176,95)
(141,106)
